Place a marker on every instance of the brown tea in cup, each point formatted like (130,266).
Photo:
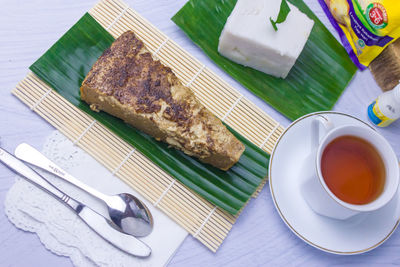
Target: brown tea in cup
(353,170)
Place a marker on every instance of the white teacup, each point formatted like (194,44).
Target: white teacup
(315,191)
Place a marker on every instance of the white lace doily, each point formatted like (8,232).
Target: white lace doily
(62,232)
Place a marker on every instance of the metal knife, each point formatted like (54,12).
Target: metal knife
(99,224)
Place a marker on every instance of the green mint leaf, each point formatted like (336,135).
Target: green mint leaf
(273,24)
(283,13)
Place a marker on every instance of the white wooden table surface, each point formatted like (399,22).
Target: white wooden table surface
(28,28)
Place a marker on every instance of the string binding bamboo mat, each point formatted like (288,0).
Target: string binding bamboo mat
(204,221)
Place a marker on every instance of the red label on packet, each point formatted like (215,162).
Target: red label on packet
(376,16)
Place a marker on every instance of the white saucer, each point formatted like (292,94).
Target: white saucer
(358,234)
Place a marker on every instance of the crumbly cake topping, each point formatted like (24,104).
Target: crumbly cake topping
(126,74)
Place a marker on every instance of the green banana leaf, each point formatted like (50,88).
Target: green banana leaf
(65,65)
(316,81)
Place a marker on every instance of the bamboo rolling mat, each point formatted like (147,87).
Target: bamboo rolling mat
(209,224)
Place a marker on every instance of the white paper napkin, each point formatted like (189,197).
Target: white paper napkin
(63,233)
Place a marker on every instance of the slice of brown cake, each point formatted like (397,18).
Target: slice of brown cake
(129,84)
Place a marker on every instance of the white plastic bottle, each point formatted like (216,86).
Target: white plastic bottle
(386,108)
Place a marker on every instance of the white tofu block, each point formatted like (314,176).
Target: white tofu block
(248,37)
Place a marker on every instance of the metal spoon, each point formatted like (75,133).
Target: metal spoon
(125,210)
(95,221)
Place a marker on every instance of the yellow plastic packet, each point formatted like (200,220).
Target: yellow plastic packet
(365,27)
